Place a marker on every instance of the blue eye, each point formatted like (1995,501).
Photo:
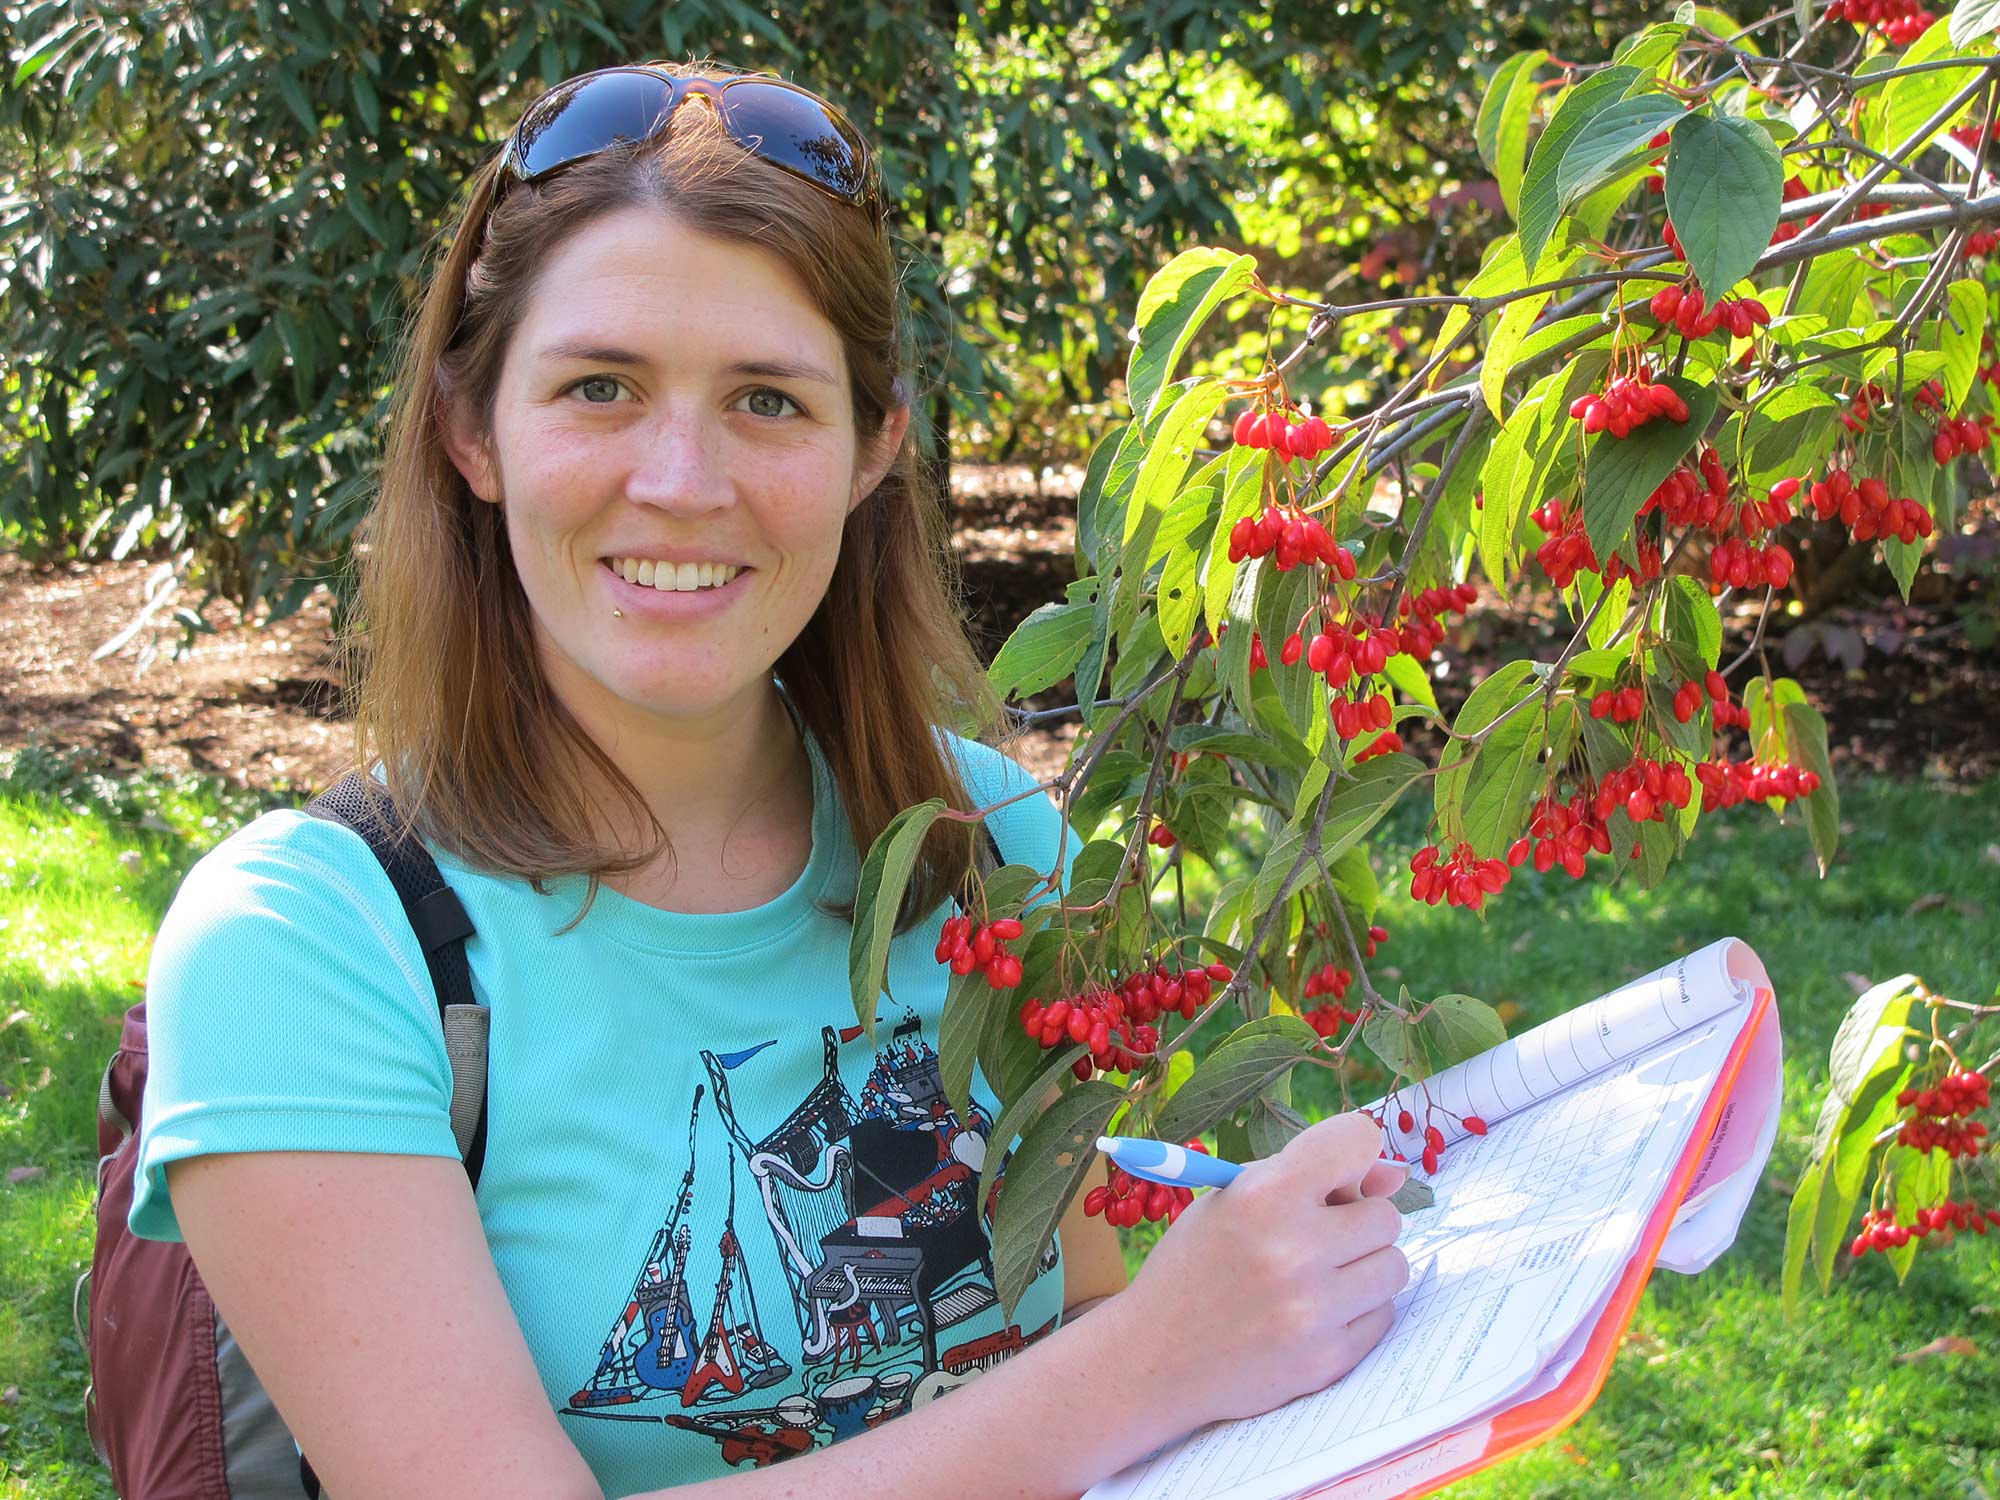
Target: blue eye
(600,381)
(768,396)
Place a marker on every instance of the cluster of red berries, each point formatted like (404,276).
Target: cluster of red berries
(1422,630)
(1294,536)
(966,947)
(1627,404)
(1645,789)
(1567,551)
(1116,1024)
(1725,783)
(1126,1199)
(1328,1019)
(1864,507)
(1340,653)
(1957,1096)
(1736,564)
(1433,1137)
(1689,312)
(1688,698)
(1328,980)
(1897,22)
(1861,406)
(1880,1231)
(1463,880)
(1960,435)
(1688,499)
(1287,439)
(1795,189)
(1162,837)
(1562,833)
(1620,705)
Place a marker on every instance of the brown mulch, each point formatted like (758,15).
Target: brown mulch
(1904,688)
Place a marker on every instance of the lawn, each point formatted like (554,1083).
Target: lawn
(1713,1394)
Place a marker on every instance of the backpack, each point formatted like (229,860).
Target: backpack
(173,1407)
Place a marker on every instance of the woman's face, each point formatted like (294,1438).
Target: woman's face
(674,447)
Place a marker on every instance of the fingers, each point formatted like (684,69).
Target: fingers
(1381,1181)
(1360,1336)
(1337,1151)
(1368,1283)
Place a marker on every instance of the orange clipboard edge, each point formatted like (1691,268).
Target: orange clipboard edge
(1509,1431)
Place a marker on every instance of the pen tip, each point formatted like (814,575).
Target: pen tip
(1105,1143)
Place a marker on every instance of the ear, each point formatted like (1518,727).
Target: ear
(879,454)
(469,451)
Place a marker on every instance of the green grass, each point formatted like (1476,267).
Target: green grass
(1712,1395)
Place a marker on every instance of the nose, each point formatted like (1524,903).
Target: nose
(677,463)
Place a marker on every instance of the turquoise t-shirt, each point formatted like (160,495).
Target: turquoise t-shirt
(732,1228)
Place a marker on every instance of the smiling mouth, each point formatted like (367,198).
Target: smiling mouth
(669,578)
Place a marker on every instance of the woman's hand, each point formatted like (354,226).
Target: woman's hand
(1277,1285)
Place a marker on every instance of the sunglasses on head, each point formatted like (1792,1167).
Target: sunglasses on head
(779,122)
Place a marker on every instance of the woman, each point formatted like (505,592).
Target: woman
(658,638)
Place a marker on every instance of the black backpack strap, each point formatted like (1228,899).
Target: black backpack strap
(438,918)
(988,859)
(441,925)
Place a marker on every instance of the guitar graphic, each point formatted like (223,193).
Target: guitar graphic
(667,1356)
(717,1365)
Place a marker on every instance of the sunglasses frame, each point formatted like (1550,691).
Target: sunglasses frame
(680,88)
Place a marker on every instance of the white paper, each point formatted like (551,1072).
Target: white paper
(1532,1227)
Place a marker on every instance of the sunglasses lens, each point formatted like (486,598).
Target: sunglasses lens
(795,130)
(585,115)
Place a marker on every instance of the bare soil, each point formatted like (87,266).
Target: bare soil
(1904,687)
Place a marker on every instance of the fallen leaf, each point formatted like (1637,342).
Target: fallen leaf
(1951,1343)
(1508,1011)
(11,1396)
(1390,971)
(1993,854)
(1926,903)
(1781,1187)
(1525,941)
(15,1020)
(132,861)
(19,1175)
(1861,984)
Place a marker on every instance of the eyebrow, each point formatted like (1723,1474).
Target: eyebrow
(611,354)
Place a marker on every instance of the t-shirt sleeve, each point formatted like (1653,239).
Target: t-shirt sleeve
(1029,832)
(288,1008)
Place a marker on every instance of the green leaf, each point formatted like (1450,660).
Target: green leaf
(1242,1065)
(1607,145)
(879,897)
(1805,731)
(1107,488)
(1514,771)
(1272,1122)
(1923,1179)
(1905,103)
(1725,182)
(1693,618)
(1242,495)
(1044,1174)
(1621,472)
(1540,199)
(1172,308)
(1170,451)
(1962,325)
(294,95)
(1365,795)
(1043,650)
(1459,1027)
(1397,1043)
(1501,130)
(1972,19)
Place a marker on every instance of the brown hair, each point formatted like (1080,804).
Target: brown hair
(447,688)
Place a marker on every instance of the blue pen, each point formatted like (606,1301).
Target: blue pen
(1176,1166)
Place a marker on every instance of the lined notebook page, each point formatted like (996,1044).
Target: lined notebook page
(1531,1228)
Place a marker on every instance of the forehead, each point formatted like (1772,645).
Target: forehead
(648,278)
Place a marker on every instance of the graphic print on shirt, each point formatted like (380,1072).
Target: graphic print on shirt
(866,1206)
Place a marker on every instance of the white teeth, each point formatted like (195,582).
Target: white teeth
(671,577)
